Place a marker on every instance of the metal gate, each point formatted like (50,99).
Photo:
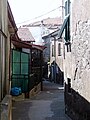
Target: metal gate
(20,70)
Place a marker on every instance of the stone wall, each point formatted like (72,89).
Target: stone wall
(79,12)
(78,101)
(81,54)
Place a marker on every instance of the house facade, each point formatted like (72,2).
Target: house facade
(29,65)
(41,31)
(43,28)
(56,56)
(56,59)
(3,40)
(77,55)
(7,27)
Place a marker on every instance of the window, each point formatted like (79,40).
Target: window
(65,8)
(36,58)
(69,48)
(59,49)
(20,63)
(52,50)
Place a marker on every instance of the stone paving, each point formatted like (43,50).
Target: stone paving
(46,105)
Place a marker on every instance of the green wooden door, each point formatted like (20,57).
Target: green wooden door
(20,70)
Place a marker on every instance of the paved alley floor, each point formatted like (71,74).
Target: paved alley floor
(46,105)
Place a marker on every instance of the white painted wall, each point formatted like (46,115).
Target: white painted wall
(37,34)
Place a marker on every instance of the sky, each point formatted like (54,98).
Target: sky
(26,11)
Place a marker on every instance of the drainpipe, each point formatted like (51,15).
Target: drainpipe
(55,59)
(41,56)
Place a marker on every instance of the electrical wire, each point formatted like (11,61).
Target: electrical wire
(40,15)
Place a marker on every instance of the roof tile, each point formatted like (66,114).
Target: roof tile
(25,34)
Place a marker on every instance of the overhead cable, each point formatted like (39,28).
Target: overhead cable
(40,15)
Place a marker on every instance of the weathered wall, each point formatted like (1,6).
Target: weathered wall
(57,58)
(80,12)
(81,54)
(81,45)
(67,66)
(79,101)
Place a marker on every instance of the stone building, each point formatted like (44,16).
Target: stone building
(55,48)
(42,30)
(77,59)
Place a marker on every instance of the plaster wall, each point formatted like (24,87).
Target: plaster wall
(81,47)
(77,63)
(3,39)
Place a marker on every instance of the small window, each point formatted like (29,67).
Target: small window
(69,48)
(52,50)
(66,8)
(59,49)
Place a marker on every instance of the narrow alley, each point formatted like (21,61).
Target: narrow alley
(46,105)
